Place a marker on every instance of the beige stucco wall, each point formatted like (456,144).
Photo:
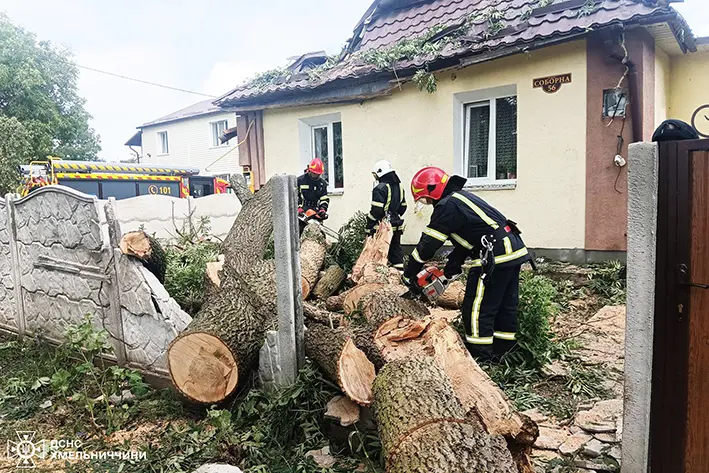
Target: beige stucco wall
(689,85)
(413,129)
(663,83)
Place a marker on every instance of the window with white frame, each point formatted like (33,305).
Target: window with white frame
(326,144)
(490,140)
(218,128)
(163,144)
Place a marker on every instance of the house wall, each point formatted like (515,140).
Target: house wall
(689,79)
(663,86)
(413,129)
(190,143)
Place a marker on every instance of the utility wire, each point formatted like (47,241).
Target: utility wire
(144,81)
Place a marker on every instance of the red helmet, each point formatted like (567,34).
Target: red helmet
(429,182)
(316,166)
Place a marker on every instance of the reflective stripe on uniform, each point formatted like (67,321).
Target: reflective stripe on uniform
(436,234)
(399,266)
(506,258)
(415,256)
(475,314)
(377,204)
(461,241)
(508,245)
(305,186)
(478,340)
(371,217)
(477,210)
(386,207)
(324,199)
(506,336)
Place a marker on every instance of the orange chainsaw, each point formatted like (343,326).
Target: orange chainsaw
(432,282)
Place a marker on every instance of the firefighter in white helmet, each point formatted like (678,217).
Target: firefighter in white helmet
(388,200)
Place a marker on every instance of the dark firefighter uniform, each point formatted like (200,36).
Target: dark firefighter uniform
(389,200)
(490,305)
(312,193)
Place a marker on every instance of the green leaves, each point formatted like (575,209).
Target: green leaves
(38,87)
(347,249)
(536,307)
(425,80)
(60,381)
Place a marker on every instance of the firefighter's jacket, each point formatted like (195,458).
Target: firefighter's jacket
(312,193)
(388,199)
(464,218)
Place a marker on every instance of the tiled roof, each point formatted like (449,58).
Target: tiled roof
(521,27)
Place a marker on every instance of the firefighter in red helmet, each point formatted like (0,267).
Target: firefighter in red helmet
(478,230)
(312,190)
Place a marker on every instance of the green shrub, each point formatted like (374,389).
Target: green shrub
(345,252)
(536,307)
(184,276)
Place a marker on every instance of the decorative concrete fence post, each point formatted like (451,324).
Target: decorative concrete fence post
(283,354)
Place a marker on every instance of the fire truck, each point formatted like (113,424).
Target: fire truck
(120,180)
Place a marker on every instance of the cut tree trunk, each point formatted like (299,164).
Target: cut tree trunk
(330,282)
(379,273)
(312,253)
(321,316)
(423,427)
(212,281)
(219,348)
(342,410)
(400,338)
(453,296)
(376,250)
(352,297)
(148,250)
(341,361)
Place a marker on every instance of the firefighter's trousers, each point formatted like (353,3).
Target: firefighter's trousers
(490,312)
(396,253)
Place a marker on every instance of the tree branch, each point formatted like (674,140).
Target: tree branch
(242,191)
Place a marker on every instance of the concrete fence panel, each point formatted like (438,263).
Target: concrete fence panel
(8,312)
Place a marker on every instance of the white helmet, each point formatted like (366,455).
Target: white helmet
(381,168)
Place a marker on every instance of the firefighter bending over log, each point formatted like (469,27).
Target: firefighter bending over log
(475,229)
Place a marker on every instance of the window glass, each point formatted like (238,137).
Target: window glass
(506,138)
(478,140)
(337,139)
(117,189)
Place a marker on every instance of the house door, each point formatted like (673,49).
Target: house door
(679,425)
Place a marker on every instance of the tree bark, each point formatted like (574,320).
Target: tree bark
(321,316)
(376,250)
(352,297)
(148,250)
(221,344)
(312,253)
(453,296)
(341,361)
(330,282)
(423,427)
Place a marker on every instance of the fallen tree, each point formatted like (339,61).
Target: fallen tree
(148,250)
(330,282)
(423,427)
(220,346)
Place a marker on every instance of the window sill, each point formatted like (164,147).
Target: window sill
(161,155)
(491,186)
(219,147)
(336,192)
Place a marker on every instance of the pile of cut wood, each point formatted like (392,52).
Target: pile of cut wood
(436,410)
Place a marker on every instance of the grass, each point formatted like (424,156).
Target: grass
(57,393)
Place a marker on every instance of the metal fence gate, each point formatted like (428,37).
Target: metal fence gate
(679,423)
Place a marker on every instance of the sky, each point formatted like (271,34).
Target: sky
(206,46)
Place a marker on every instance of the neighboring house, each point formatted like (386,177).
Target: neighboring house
(192,136)
(529,103)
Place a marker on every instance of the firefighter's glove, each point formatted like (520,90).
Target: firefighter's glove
(410,284)
(452,269)
(322,214)
(300,211)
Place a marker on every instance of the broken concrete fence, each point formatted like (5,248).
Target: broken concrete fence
(59,262)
